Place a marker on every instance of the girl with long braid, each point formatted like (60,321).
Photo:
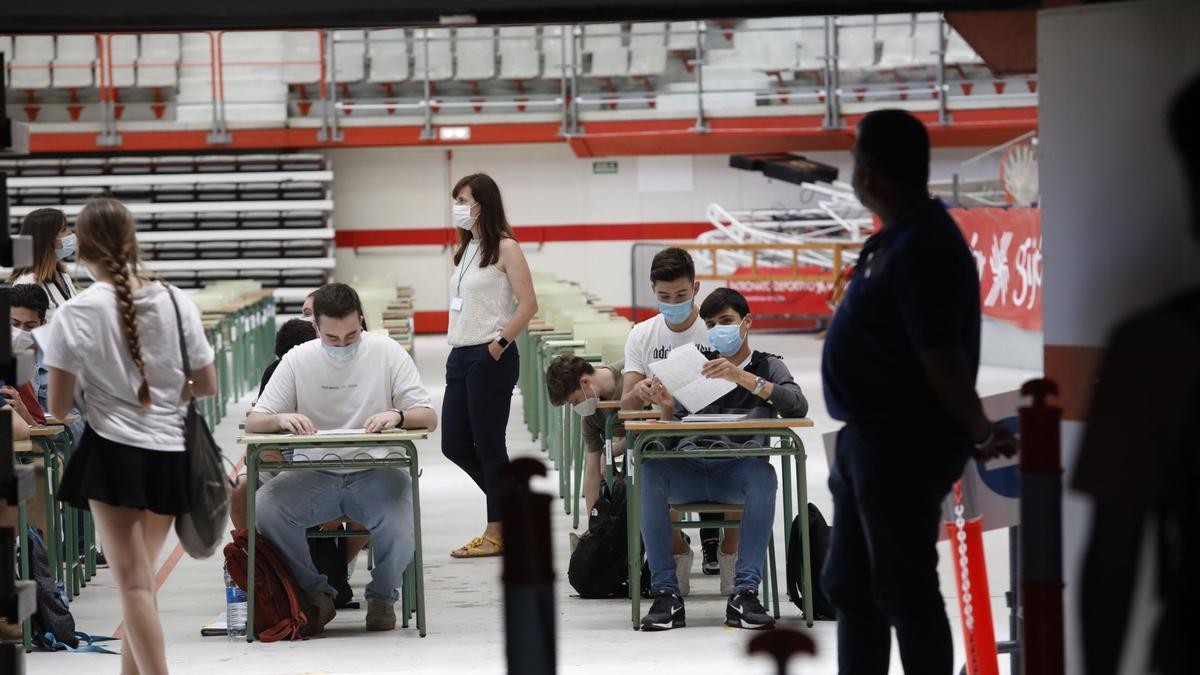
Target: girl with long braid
(115,348)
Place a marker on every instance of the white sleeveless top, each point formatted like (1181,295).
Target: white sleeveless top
(487,301)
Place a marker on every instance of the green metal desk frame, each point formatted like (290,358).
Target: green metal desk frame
(413,597)
(791,448)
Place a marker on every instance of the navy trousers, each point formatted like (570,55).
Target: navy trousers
(881,570)
(475,409)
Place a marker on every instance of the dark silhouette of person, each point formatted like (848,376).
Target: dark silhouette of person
(1140,461)
(899,368)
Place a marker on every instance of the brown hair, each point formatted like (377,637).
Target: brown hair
(108,236)
(493,224)
(43,225)
(562,377)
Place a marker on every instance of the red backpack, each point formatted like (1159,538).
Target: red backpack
(281,610)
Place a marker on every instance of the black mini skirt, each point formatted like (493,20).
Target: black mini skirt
(124,475)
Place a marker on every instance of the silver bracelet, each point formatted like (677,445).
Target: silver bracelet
(987,440)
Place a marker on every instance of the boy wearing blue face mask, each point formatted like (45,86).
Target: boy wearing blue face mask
(346,379)
(673,280)
(765,389)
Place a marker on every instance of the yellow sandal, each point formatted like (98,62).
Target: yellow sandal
(474,549)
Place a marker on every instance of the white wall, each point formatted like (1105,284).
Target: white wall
(403,188)
(1114,217)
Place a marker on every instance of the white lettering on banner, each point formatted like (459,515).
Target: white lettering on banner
(1029,268)
(999,265)
(980,258)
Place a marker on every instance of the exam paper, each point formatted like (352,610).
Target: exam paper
(680,374)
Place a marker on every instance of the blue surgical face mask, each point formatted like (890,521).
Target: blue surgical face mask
(68,247)
(676,313)
(727,339)
(342,354)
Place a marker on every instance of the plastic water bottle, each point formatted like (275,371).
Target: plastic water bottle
(235,608)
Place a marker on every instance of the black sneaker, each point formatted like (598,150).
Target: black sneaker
(745,611)
(666,612)
(710,567)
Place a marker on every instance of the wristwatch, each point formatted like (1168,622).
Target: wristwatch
(503,342)
(759,385)
(401,423)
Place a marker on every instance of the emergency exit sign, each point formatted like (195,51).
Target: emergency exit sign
(604,167)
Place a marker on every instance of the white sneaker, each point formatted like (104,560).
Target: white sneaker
(683,571)
(572,541)
(728,564)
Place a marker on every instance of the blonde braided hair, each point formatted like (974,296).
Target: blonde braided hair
(107,235)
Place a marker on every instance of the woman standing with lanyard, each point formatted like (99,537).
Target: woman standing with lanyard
(489,271)
(118,342)
(53,242)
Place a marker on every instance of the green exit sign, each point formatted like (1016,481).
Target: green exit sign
(604,167)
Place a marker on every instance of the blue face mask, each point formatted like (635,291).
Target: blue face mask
(342,354)
(68,247)
(727,339)
(675,313)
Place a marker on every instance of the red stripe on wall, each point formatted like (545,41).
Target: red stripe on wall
(529,234)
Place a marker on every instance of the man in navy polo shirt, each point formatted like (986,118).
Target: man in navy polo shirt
(899,368)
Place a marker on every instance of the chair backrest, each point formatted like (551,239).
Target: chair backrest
(681,35)
(925,39)
(811,40)
(387,54)
(31,59)
(439,51)
(475,52)
(158,61)
(554,56)
(123,56)
(895,33)
(302,57)
(519,52)
(856,43)
(610,57)
(349,50)
(647,48)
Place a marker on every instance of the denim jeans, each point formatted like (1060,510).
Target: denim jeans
(881,570)
(381,499)
(749,481)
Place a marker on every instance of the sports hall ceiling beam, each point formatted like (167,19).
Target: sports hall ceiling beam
(62,16)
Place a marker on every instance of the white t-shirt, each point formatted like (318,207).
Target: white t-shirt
(343,395)
(86,339)
(651,340)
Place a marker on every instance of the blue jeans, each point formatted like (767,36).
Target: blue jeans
(881,570)
(381,499)
(749,481)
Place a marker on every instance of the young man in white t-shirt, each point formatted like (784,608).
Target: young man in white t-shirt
(673,280)
(347,379)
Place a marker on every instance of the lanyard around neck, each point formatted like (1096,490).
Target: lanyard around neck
(463,270)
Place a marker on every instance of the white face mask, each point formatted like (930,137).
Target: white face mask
(22,340)
(462,216)
(587,406)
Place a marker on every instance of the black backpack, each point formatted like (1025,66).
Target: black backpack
(53,617)
(600,566)
(818,535)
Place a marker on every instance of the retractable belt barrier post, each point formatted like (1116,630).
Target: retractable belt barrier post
(1041,532)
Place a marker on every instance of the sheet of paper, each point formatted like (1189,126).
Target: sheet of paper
(341,432)
(680,374)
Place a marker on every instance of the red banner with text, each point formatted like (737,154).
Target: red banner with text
(1005,242)
(1007,246)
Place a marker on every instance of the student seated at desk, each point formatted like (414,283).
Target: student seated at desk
(348,379)
(765,388)
(572,380)
(30,305)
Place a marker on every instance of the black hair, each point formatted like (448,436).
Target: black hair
(336,301)
(30,296)
(719,299)
(672,263)
(292,333)
(896,145)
